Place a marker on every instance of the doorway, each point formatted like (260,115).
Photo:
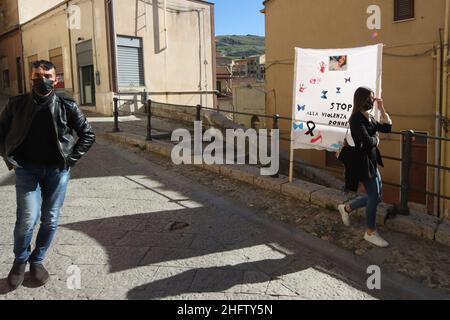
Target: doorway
(418,173)
(87,85)
(86,73)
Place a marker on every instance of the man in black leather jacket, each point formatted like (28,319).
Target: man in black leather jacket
(36,140)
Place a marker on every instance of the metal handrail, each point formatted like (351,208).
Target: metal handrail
(407,139)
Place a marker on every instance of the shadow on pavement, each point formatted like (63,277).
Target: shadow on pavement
(206,239)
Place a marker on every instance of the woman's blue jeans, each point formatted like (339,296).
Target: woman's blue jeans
(40,193)
(374,189)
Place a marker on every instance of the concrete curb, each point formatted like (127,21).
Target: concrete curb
(416,224)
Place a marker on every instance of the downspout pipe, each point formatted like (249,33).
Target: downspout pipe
(437,154)
(213,53)
(166,38)
(72,78)
(25,76)
(112,18)
(445,89)
(200,87)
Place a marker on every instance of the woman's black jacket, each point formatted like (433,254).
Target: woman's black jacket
(366,153)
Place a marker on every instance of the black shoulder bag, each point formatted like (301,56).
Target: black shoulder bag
(347,153)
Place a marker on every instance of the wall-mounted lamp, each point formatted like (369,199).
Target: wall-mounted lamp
(97,77)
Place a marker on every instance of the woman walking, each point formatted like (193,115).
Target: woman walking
(364,130)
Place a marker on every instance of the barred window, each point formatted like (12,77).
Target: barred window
(403,10)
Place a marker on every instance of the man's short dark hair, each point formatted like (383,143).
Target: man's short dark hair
(44,64)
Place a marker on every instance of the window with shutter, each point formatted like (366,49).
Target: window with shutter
(130,62)
(56,57)
(403,10)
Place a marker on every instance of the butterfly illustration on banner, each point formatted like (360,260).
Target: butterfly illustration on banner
(301,108)
(338,90)
(315,80)
(322,67)
(336,146)
(302,88)
(324,94)
(298,126)
(348,80)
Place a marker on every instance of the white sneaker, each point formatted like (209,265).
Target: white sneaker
(376,239)
(344,215)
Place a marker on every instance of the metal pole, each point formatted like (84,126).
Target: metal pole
(444,102)
(276,119)
(276,126)
(116,115)
(438,130)
(439,158)
(198,113)
(149,120)
(144,97)
(407,138)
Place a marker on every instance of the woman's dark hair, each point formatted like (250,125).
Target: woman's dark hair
(361,98)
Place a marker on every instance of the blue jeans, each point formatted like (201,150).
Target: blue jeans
(374,189)
(40,193)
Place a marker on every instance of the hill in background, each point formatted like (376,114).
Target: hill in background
(240,46)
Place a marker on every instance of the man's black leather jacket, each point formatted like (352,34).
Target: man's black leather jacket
(16,119)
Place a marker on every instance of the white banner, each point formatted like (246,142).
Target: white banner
(325,82)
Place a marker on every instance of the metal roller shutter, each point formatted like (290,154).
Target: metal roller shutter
(56,58)
(131,62)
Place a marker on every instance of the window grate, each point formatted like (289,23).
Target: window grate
(403,10)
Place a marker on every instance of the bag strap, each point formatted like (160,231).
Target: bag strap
(345,139)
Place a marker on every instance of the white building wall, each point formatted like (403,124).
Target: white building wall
(186,62)
(38,40)
(29,9)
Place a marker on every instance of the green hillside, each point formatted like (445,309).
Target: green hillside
(240,46)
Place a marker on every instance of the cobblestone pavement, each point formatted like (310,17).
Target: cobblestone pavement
(140,228)
(417,258)
(422,260)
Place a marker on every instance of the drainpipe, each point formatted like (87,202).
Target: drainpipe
(437,149)
(200,87)
(445,88)
(166,38)
(112,19)
(70,52)
(25,76)
(213,53)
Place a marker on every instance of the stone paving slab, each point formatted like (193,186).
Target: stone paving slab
(300,189)
(271,183)
(443,233)
(417,224)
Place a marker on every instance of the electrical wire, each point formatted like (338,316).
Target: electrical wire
(291,61)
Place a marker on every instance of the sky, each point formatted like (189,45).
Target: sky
(239,17)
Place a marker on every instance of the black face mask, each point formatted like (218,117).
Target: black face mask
(43,86)
(368,105)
